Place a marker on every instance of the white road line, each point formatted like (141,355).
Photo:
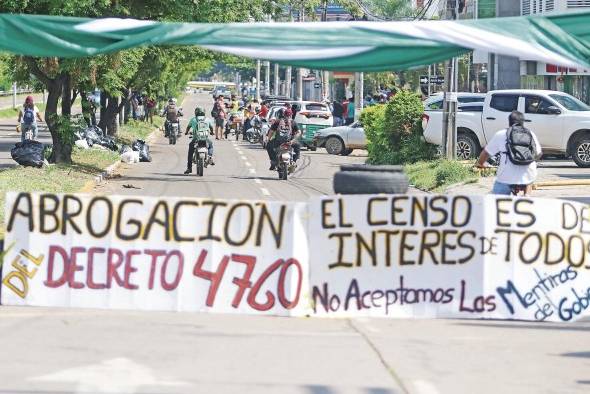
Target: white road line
(265,191)
(243,157)
(257,180)
(248,164)
(253,171)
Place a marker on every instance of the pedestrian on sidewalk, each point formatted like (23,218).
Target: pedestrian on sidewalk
(518,149)
(28,116)
(151,107)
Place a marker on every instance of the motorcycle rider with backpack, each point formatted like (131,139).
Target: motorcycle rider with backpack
(198,124)
(519,149)
(171,113)
(28,117)
(284,129)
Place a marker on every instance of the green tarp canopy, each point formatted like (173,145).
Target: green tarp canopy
(348,46)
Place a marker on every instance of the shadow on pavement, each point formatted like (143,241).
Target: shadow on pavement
(577,354)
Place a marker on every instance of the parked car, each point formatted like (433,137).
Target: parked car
(435,102)
(311,116)
(341,140)
(560,121)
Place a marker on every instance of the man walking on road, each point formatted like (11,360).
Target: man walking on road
(519,149)
(28,116)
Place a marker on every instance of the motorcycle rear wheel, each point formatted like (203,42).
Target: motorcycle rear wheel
(200,166)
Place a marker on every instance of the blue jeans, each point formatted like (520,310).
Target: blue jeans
(24,128)
(501,189)
(338,121)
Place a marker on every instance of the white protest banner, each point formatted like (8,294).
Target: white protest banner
(450,256)
(155,253)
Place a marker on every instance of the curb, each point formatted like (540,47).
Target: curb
(579,182)
(111,169)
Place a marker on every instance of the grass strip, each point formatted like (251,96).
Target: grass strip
(437,175)
(86,164)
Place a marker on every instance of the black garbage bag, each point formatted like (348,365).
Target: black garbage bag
(28,153)
(108,142)
(143,149)
(92,137)
(125,148)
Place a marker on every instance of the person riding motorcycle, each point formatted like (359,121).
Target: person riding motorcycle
(194,124)
(285,129)
(171,112)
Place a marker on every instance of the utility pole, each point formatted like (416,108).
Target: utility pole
(299,70)
(14,95)
(450,98)
(326,74)
(267,78)
(258,79)
(277,79)
(288,81)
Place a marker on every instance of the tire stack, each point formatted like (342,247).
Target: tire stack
(370,179)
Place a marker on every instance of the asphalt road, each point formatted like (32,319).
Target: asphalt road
(62,351)
(241,170)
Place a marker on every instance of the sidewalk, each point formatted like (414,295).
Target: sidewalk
(484,185)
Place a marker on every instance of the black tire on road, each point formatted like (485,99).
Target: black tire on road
(200,166)
(312,148)
(368,182)
(467,146)
(346,152)
(581,151)
(334,145)
(371,168)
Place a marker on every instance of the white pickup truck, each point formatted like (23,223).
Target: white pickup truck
(560,121)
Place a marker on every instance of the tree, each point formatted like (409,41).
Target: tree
(155,69)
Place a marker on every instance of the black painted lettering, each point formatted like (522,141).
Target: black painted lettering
(363,245)
(108,214)
(395,209)
(211,220)
(429,245)
(370,217)
(341,237)
(176,221)
(48,206)
(275,228)
(249,219)
(133,223)
(16,210)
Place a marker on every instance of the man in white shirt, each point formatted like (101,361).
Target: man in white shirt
(511,176)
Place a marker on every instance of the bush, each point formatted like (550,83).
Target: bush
(394,131)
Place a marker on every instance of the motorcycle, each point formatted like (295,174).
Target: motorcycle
(201,156)
(285,163)
(256,133)
(172,134)
(234,125)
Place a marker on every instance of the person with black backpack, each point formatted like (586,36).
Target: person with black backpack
(28,117)
(518,149)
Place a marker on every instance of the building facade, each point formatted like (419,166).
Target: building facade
(536,75)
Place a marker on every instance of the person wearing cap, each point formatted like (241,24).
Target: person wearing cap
(28,116)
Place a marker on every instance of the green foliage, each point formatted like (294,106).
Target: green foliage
(394,131)
(403,114)
(437,175)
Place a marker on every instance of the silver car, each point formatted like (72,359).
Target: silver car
(341,140)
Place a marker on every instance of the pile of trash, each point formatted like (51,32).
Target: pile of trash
(29,153)
(94,136)
(139,151)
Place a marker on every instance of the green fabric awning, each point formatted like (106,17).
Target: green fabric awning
(347,46)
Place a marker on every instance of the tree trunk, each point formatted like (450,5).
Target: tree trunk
(108,117)
(61,152)
(66,99)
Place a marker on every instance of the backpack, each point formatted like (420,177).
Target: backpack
(28,116)
(172,113)
(520,145)
(215,112)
